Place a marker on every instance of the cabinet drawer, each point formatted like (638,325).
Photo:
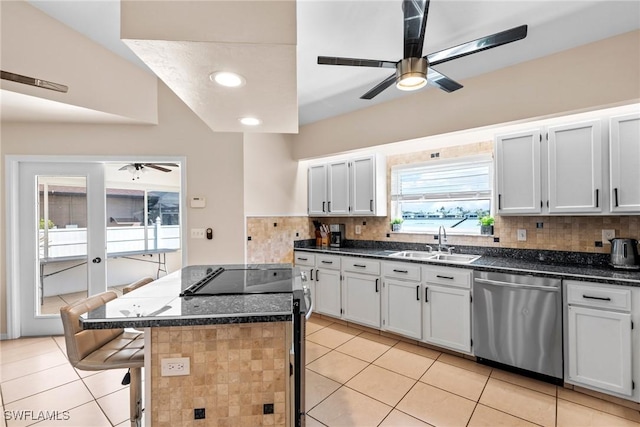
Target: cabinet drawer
(458,277)
(598,296)
(304,258)
(361,265)
(330,262)
(401,270)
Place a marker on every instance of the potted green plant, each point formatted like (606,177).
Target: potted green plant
(486,225)
(396,224)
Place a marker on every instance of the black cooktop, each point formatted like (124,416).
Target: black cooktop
(209,281)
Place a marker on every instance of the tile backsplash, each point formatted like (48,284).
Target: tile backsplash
(271,243)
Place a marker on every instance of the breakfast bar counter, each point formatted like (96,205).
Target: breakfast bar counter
(236,347)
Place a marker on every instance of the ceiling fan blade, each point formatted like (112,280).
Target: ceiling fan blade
(376,90)
(155,166)
(32,81)
(355,62)
(441,81)
(483,43)
(415,19)
(171,165)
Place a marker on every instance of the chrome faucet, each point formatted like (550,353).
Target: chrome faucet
(441,232)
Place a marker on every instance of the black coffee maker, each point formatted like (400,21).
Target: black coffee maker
(337,235)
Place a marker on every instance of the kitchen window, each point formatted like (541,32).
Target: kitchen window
(454,194)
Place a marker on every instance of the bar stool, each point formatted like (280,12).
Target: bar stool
(137,284)
(101,349)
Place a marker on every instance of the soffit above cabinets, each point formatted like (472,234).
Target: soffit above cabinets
(186,41)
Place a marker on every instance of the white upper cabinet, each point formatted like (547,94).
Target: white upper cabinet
(356,186)
(575,168)
(368,186)
(624,164)
(317,189)
(558,170)
(338,189)
(518,173)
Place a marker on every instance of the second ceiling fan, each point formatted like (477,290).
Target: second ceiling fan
(414,70)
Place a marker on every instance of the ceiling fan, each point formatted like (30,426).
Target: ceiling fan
(414,70)
(137,168)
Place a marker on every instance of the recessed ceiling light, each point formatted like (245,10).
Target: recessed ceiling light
(227,79)
(250,121)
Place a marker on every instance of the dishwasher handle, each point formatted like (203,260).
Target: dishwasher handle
(517,285)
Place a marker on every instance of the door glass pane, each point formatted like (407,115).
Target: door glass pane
(62,242)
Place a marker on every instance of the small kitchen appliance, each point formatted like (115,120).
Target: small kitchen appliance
(624,253)
(337,235)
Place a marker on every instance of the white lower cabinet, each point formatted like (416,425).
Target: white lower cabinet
(361,299)
(446,312)
(600,349)
(601,342)
(401,307)
(328,292)
(361,291)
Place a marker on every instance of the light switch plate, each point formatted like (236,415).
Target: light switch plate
(197,233)
(608,235)
(358,229)
(522,234)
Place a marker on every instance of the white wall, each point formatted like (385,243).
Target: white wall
(37,45)
(214,167)
(275,183)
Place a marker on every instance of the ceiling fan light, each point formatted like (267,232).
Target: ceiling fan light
(227,79)
(411,74)
(411,83)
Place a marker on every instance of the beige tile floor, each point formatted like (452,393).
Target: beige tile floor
(357,378)
(354,378)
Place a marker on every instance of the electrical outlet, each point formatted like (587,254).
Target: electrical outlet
(176,366)
(197,233)
(522,234)
(608,235)
(358,229)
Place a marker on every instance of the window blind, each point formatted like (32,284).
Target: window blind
(463,180)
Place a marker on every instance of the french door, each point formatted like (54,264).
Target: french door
(61,228)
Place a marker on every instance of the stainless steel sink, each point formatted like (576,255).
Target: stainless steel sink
(454,258)
(436,256)
(412,254)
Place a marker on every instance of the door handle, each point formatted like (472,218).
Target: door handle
(96,260)
(377,285)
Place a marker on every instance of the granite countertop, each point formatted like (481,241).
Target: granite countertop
(158,304)
(578,270)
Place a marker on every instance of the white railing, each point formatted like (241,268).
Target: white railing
(64,242)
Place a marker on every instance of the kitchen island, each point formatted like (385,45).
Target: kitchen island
(237,346)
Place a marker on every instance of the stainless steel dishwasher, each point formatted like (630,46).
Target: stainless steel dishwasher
(517,321)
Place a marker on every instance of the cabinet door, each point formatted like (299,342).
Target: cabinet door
(361,299)
(600,349)
(401,307)
(317,189)
(363,182)
(518,173)
(575,168)
(624,163)
(447,317)
(338,189)
(327,292)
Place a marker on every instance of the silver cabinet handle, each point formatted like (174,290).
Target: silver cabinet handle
(516,285)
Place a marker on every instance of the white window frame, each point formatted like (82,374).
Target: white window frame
(444,166)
